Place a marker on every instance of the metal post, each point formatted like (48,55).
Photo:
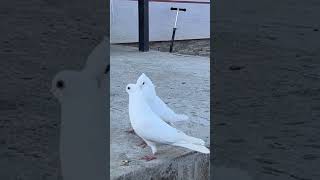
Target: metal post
(143,7)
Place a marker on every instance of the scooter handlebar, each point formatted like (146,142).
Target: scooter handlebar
(179,9)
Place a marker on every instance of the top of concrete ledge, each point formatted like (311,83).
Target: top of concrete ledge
(182,81)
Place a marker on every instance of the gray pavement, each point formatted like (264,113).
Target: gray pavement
(266,114)
(183,83)
(38,39)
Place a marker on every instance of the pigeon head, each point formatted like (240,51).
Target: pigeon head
(146,86)
(131,88)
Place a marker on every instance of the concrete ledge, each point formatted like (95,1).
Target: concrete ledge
(192,166)
(183,83)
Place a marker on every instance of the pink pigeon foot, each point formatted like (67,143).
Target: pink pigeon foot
(149,157)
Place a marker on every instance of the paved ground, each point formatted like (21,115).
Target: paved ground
(266,115)
(38,39)
(183,83)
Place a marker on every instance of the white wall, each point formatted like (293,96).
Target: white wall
(192,24)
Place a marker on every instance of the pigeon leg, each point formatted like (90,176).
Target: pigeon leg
(130,131)
(149,157)
(143,144)
(153,146)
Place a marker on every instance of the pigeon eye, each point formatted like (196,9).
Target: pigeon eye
(128,88)
(60,84)
(142,83)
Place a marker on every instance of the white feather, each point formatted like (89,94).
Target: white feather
(83,98)
(152,128)
(155,102)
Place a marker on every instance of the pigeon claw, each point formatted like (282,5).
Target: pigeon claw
(148,157)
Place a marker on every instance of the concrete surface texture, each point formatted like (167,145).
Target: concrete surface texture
(266,113)
(196,47)
(38,39)
(183,83)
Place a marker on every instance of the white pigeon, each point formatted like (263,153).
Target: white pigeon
(152,129)
(97,62)
(156,104)
(82,96)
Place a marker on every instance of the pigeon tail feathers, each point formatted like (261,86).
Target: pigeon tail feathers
(194,147)
(194,140)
